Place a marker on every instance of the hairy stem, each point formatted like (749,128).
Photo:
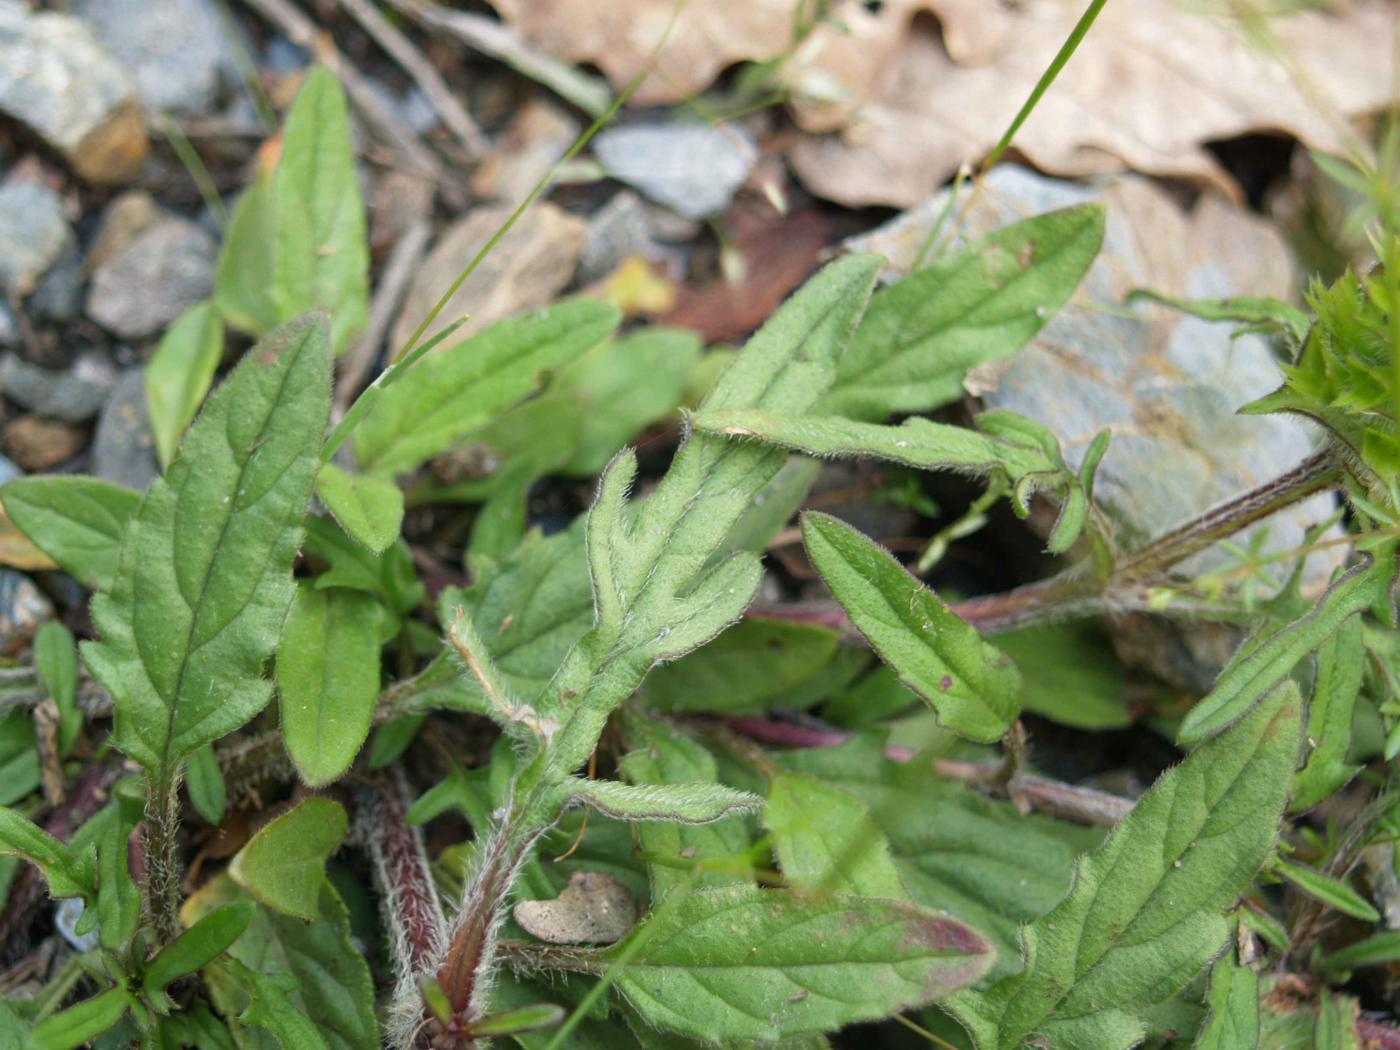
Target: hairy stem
(162,876)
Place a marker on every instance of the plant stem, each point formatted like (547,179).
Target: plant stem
(162,878)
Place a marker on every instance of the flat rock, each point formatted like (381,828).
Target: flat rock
(526,270)
(39,444)
(74,395)
(123,450)
(33,233)
(58,80)
(176,50)
(693,169)
(162,271)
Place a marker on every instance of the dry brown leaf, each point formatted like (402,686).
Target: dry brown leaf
(1150,84)
(594,908)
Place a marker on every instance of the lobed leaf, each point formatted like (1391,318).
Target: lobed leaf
(76,521)
(972,687)
(284,864)
(180,373)
(1146,911)
(681,803)
(327,679)
(205,578)
(744,963)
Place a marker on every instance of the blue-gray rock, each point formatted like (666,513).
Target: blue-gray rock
(33,233)
(58,79)
(66,915)
(176,50)
(74,395)
(9,331)
(693,169)
(615,231)
(23,607)
(123,449)
(58,295)
(165,269)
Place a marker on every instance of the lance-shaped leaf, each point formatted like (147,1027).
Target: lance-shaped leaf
(972,686)
(328,679)
(198,946)
(1340,661)
(284,864)
(1259,666)
(826,841)
(205,574)
(179,374)
(321,259)
(118,898)
(79,1025)
(682,803)
(1147,909)
(457,388)
(68,873)
(76,521)
(744,963)
(1233,999)
(982,303)
(656,594)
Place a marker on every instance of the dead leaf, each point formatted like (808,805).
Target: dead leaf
(18,552)
(635,288)
(594,908)
(526,270)
(1151,83)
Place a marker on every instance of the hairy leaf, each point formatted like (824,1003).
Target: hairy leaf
(682,803)
(322,260)
(68,873)
(273,1008)
(1234,1008)
(118,898)
(328,679)
(457,388)
(1146,911)
(284,864)
(205,574)
(1340,660)
(368,508)
(198,946)
(76,521)
(971,686)
(78,1025)
(179,374)
(204,781)
(1333,892)
(247,262)
(826,841)
(1259,667)
(743,963)
(1069,674)
(982,303)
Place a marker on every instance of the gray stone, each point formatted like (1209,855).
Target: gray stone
(23,607)
(8,471)
(176,50)
(67,913)
(33,233)
(74,395)
(693,169)
(58,297)
(164,270)
(58,79)
(615,231)
(123,449)
(9,331)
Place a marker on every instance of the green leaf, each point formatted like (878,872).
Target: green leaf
(743,669)
(329,982)
(204,781)
(198,946)
(388,576)
(1069,674)
(655,592)
(368,508)
(1375,950)
(68,874)
(1340,661)
(1257,313)
(284,864)
(1234,1008)
(1147,909)
(322,259)
(1260,666)
(205,575)
(180,373)
(744,963)
(1332,892)
(76,521)
(982,303)
(457,388)
(328,679)
(118,898)
(521,1019)
(972,687)
(56,662)
(272,1008)
(79,1024)
(247,263)
(682,803)
(624,387)
(826,841)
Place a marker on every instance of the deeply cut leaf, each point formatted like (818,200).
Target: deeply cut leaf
(76,521)
(284,864)
(1147,909)
(971,686)
(328,679)
(743,963)
(205,574)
